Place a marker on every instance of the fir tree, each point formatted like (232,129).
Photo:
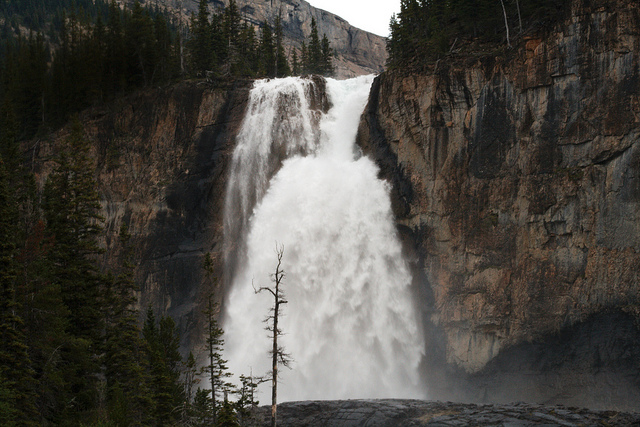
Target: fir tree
(282,68)
(125,364)
(217,366)
(15,365)
(267,52)
(200,45)
(164,360)
(73,224)
(71,205)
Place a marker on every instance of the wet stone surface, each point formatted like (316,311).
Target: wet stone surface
(370,413)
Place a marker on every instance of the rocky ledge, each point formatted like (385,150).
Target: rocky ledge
(427,413)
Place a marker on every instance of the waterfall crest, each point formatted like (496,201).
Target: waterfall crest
(297,179)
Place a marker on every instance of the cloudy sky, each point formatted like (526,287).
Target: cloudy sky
(372,16)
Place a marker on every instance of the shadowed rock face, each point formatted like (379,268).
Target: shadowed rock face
(516,187)
(162,158)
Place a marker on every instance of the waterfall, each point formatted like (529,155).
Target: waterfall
(297,179)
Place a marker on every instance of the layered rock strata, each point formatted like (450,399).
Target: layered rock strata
(516,186)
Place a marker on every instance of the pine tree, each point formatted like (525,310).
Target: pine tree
(247,401)
(267,52)
(125,364)
(164,360)
(314,52)
(231,32)
(15,365)
(71,206)
(327,55)
(115,78)
(200,45)
(217,366)
(295,64)
(282,68)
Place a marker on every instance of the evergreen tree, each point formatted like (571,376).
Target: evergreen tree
(162,343)
(231,33)
(217,366)
(247,401)
(125,368)
(114,70)
(326,66)
(73,225)
(71,205)
(139,47)
(15,365)
(247,64)
(200,45)
(267,52)
(282,68)
(314,52)
(295,64)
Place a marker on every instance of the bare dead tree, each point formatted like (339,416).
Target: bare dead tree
(278,355)
(519,15)
(506,22)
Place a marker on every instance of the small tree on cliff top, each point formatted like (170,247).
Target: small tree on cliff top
(278,356)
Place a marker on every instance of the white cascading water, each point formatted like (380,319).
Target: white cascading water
(350,324)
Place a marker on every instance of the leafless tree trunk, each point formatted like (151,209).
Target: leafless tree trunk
(519,15)
(278,356)
(506,22)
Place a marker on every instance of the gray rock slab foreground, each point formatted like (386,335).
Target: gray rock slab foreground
(392,412)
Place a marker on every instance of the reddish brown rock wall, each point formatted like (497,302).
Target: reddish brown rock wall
(515,176)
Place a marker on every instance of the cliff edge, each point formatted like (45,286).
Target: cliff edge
(516,188)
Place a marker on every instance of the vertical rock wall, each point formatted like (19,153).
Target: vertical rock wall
(516,185)
(162,157)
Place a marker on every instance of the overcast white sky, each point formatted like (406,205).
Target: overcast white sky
(369,15)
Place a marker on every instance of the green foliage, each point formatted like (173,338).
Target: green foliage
(164,362)
(17,395)
(317,55)
(125,358)
(71,206)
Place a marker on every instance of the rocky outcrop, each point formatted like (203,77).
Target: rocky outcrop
(357,52)
(395,413)
(516,187)
(162,159)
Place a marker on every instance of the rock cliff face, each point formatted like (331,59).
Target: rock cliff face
(357,52)
(516,186)
(162,158)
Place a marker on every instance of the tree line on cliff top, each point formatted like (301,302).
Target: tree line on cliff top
(426,30)
(58,58)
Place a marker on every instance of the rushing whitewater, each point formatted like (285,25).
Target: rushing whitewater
(349,324)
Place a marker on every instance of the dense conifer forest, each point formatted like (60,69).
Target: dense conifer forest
(427,30)
(73,351)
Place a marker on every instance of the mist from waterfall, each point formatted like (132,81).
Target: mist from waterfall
(297,179)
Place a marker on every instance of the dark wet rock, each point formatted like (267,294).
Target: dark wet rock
(392,413)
